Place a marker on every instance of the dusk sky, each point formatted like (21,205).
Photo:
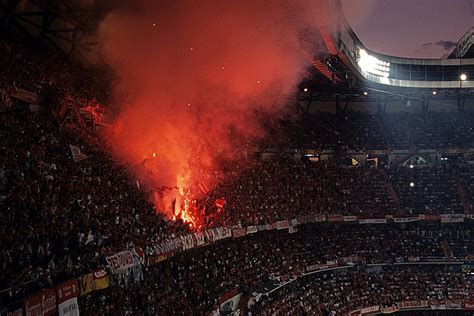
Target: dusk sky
(411,28)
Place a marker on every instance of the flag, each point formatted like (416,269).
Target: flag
(220,203)
(77,155)
(101,280)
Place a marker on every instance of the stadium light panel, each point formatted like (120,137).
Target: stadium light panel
(463,77)
(372,65)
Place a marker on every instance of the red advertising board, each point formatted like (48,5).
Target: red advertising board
(41,304)
(67,290)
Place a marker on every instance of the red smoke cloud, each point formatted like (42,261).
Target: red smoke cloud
(194,72)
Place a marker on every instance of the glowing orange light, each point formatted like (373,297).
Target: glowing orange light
(258,81)
(154,155)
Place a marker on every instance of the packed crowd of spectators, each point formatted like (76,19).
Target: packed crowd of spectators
(367,131)
(196,280)
(340,292)
(285,188)
(48,72)
(427,190)
(467,186)
(60,217)
(103,212)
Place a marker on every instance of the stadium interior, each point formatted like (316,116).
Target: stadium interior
(340,182)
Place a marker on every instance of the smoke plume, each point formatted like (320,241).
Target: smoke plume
(193,73)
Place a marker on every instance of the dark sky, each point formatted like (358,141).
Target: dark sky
(411,28)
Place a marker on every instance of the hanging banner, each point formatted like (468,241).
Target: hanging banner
(230,305)
(452,218)
(272,226)
(42,303)
(320,218)
(453,305)
(370,309)
(313,267)
(373,221)
(120,261)
(252,229)
(167,247)
(188,241)
(101,279)
(69,307)
(438,305)
(335,218)
(67,293)
(86,284)
(389,310)
(469,305)
(239,232)
(199,236)
(282,224)
(97,280)
(406,219)
(77,154)
(414,304)
(413,259)
(429,217)
(33,306)
(304,219)
(24,95)
(350,218)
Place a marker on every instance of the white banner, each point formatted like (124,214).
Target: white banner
(350,218)
(120,261)
(199,238)
(371,309)
(167,246)
(251,229)
(24,95)
(69,307)
(282,224)
(231,304)
(405,219)
(77,154)
(452,218)
(373,221)
(188,241)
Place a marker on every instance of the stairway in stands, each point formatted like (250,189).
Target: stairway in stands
(463,197)
(448,253)
(390,189)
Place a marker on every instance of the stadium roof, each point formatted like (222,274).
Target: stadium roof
(465,46)
(67,25)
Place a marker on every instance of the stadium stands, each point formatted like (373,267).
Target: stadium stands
(366,131)
(342,292)
(67,221)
